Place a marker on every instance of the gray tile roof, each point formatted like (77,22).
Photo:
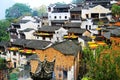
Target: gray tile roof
(34,44)
(26,30)
(104,20)
(115,32)
(76,30)
(37,44)
(58,21)
(67,47)
(76,9)
(24,21)
(4,44)
(73,25)
(86,38)
(107,35)
(62,6)
(49,28)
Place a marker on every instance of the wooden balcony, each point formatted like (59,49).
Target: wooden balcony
(42,34)
(27,51)
(13,48)
(72,36)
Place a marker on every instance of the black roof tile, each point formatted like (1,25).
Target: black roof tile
(26,30)
(67,47)
(34,44)
(48,28)
(73,25)
(76,30)
(76,9)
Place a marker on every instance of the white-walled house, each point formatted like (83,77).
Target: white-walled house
(88,25)
(30,24)
(58,13)
(21,49)
(83,41)
(50,33)
(95,12)
(26,33)
(59,34)
(26,22)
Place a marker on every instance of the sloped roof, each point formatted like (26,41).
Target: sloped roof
(74,25)
(76,30)
(67,47)
(4,43)
(62,6)
(104,20)
(76,9)
(58,21)
(49,28)
(107,35)
(115,32)
(24,21)
(86,38)
(27,30)
(35,44)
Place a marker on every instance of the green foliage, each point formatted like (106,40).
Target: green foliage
(4,24)
(40,10)
(2,64)
(102,66)
(35,13)
(116,10)
(17,10)
(13,76)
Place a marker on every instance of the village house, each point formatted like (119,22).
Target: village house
(55,56)
(97,11)
(61,53)
(20,49)
(24,23)
(44,19)
(26,33)
(58,14)
(50,33)
(75,15)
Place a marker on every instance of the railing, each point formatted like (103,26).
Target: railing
(42,34)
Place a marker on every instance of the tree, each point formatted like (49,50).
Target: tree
(116,10)
(41,10)
(17,10)
(35,13)
(3,68)
(103,66)
(4,24)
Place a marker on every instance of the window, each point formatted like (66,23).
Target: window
(60,17)
(65,17)
(89,27)
(102,15)
(86,26)
(38,26)
(49,9)
(55,17)
(14,53)
(14,64)
(37,37)
(43,38)
(43,23)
